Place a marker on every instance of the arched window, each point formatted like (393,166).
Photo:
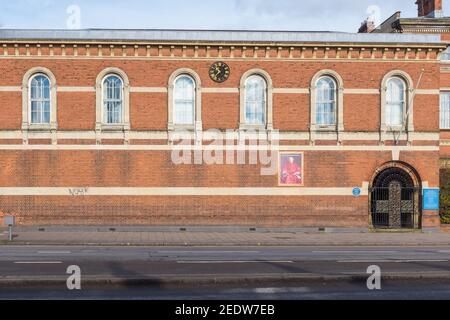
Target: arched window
(397,111)
(445,110)
(112,100)
(326,101)
(184,100)
(112,104)
(327,105)
(255,100)
(40,99)
(39,103)
(395,101)
(445,56)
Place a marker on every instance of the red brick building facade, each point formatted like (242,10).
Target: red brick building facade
(430,20)
(89,123)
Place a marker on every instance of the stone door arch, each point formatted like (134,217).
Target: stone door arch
(395,198)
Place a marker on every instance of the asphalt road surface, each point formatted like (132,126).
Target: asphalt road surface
(271,263)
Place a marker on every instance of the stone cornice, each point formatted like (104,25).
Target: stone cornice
(181,50)
(222,43)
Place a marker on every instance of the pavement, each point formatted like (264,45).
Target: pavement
(221,238)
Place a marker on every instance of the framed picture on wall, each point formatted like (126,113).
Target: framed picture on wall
(290,169)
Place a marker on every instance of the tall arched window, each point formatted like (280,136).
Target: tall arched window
(445,56)
(112,100)
(39,103)
(112,104)
(255,100)
(326,101)
(395,101)
(184,100)
(327,105)
(397,107)
(445,110)
(40,99)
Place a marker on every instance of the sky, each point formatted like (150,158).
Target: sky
(296,15)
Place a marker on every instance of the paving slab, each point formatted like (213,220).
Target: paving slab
(173,238)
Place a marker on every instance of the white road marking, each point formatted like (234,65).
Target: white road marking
(220,262)
(389,261)
(360,251)
(397,272)
(54,252)
(38,262)
(280,290)
(209,252)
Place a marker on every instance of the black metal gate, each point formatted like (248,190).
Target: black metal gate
(395,207)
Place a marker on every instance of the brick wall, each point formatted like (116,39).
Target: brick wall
(76,111)
(324,168)
(190,211)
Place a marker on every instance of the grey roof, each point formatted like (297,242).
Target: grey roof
(213,36)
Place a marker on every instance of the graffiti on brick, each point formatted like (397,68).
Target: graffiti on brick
(77,192)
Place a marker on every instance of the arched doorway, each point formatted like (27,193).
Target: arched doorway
(395,198)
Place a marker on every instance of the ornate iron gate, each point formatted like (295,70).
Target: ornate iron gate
(395,207)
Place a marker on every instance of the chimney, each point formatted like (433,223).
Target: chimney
(367,26)
(429,8)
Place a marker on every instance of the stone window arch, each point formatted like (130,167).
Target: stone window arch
(397,77)
(101,124)
(184,101)
(336,84)
(185,75)
(44,103)
(249,80)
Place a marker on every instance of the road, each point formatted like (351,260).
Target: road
(251,273)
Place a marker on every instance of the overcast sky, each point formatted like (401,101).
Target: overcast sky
(302,15)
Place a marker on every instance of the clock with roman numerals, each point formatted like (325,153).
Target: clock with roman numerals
(219,72)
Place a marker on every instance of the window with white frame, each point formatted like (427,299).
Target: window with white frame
(445,56)
(112,100)
(184,100)
(326,101)
(40,99)
(255,100)
(395,101)
(445,110)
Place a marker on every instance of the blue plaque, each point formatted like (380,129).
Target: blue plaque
(430,199)
(357,192)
